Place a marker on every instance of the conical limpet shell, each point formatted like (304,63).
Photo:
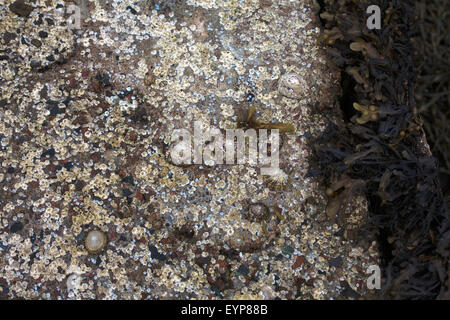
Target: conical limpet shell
(95,241)
(291,85)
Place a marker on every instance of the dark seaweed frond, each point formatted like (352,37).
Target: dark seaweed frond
(381,144)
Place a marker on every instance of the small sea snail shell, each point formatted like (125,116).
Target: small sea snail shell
(95,241)
(291,85)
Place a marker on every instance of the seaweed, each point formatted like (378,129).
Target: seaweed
(433,88)
(379,146)
(249,121)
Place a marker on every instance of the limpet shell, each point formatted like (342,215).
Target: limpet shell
(95,241)
(291,85)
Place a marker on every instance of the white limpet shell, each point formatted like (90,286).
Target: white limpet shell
(291,85)
(95,241)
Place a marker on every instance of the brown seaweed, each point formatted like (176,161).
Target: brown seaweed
(379,145)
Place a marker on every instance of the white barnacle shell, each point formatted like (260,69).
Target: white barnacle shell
(291,85)
(278,176)
(73,281)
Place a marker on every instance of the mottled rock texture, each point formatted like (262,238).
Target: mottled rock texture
(86,119)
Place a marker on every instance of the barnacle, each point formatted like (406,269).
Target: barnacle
(367,113)
(73,281)
(257,211)
(260,212)
(168,150)
(125,209)
(279,179)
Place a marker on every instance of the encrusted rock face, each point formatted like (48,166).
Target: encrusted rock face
(87,142)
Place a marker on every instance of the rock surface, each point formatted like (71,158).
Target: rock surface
(86,117)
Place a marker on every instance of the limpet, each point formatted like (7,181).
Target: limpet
(291,85)
(95,241)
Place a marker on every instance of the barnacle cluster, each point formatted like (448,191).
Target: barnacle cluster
(91,206)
